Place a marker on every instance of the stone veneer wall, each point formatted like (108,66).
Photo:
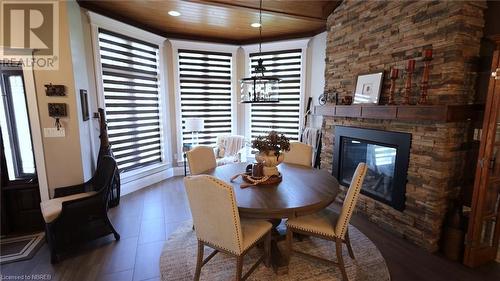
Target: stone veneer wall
(365,36)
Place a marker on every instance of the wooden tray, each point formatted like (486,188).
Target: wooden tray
(271,180)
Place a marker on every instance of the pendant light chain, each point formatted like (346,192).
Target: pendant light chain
(260,28)
(259,88)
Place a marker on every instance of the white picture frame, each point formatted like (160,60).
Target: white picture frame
(368,88)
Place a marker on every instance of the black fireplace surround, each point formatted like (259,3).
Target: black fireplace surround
(387,155)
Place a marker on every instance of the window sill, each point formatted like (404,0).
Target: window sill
(143,172)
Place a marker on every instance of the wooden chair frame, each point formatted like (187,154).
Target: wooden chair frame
(239,258)
(338,248)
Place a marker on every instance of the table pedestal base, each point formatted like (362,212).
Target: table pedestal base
(279,260)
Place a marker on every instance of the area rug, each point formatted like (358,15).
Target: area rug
(178,260)
(20,248)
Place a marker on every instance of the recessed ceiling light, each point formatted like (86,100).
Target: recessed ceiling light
(255,24)
(174,13)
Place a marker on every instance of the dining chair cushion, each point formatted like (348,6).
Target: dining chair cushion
(216,218)
(300,154)
(253,230)
(322,223)
(53,207)
(201,159)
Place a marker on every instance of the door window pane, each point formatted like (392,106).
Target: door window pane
(15,128)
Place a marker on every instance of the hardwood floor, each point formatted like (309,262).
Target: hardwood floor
(146,218)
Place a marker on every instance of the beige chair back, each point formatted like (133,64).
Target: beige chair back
(201,159)
(350,200)
(215,213)
(300,154)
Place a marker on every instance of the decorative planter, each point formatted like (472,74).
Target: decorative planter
(270,161)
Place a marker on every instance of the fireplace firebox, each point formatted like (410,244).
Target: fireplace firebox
(387,155)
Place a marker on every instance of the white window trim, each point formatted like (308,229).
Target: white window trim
(207,47)
(138,178)
(278,46)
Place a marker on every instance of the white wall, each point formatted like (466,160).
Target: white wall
(315,75)
(315,82)
(82,82)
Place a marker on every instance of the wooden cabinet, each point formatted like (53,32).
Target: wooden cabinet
(483,232)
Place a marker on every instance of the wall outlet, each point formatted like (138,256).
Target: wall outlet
(54,133)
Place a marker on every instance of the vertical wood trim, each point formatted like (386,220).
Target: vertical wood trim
(36,132)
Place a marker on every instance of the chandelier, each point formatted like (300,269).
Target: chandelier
(260,88)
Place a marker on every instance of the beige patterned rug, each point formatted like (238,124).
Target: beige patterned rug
(178,260)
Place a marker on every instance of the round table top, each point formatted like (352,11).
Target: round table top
(303,190)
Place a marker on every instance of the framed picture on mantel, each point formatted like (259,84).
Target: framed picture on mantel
(368,88)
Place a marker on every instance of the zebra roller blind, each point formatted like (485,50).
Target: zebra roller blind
(205,92)
(131,96)
(282,117)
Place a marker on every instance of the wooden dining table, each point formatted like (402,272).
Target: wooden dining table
(303,190)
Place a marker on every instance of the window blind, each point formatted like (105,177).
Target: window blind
(205,92)
(282,117)
(131,96)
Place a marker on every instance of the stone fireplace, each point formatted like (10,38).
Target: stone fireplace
(369,36)
(387,155)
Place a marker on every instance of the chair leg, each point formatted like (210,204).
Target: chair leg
(348,243)
(340,259)
(199,260)
(115,233)
(289,241)
(239,267)
(52,247)
(267,249)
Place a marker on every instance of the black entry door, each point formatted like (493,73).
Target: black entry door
(19,184)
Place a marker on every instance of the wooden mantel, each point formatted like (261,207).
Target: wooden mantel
(437,113)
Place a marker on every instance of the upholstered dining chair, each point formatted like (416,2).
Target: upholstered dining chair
(330,225)
(300,154)
(218,225)
(201,159)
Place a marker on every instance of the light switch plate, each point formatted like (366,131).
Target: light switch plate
(54,133)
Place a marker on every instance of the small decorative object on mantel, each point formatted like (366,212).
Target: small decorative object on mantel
(346,100)
(271,148)
(394,77)
(368,88)
(323,98)
(424,84)
(409,73)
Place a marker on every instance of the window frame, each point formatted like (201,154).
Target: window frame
(97,21)
(19,174)
(208,47)
(272,47)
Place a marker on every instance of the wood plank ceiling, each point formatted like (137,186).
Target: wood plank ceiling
(226,21)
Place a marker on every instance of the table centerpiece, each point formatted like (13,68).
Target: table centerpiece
(271,148)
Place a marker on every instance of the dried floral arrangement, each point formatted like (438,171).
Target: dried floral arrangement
(272,142)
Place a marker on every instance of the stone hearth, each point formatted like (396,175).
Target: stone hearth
(365,36)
